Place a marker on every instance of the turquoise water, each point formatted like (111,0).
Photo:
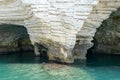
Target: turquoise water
(26,67)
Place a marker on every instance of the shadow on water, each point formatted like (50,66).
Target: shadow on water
(102,59)
(98,60)
(94,60)
(24,57)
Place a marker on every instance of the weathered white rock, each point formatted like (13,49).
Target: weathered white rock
(55,23)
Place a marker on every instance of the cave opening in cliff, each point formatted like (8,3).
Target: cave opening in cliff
(14,38)
(106,48)
(42,51)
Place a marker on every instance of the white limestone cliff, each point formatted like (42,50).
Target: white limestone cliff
(55,23)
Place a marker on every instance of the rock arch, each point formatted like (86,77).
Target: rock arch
(52,23)
(49,22)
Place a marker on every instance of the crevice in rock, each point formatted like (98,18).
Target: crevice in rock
(42,52)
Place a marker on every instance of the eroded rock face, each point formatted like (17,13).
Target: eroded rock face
(14,38)
(99,13)
(56,22)
(55,51)
(107,37)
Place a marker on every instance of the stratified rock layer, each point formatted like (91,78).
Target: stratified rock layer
(55,23)
(51,23)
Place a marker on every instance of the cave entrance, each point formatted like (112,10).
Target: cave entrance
(15,43)
(14,38)
(43,53)
(42,50)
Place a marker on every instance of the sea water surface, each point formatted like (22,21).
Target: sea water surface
(27,67)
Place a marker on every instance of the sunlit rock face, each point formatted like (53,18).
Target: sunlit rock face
(55,23)
(51,23)
(99,13)
(107,37)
